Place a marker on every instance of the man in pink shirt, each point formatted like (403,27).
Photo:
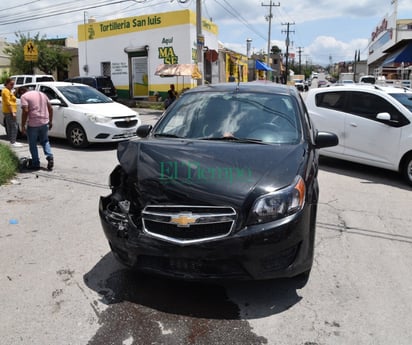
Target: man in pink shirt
(38,113)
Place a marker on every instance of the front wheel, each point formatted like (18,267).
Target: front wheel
(76,136)
(406,169)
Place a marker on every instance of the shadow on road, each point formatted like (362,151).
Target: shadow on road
(116,284)
(367,173)
(143,309)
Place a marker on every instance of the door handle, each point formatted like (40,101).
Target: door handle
(353,124)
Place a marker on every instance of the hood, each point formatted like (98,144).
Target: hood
(105,109)
(184,172)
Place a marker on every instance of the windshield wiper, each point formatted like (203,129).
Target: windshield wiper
(235,139)
(166,135)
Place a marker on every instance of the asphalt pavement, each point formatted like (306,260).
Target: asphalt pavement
(60,284)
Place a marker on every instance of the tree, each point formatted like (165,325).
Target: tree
(51,57)
(275,50)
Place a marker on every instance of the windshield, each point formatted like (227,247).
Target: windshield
(268,118)
(83,95)
(404,98)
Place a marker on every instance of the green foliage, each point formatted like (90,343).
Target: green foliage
(4,75)
(9,164)
(51,57)
(275,50)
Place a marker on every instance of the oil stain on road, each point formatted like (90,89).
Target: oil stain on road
(142,309)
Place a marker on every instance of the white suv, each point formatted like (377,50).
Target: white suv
(373,124)
(23,79)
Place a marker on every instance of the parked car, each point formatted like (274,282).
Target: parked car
(102,83)
(83,115)
(373,124)
(367,79)
(299,84)
(223,186)
(23,79)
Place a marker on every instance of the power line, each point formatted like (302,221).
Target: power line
(109,14)
(18,6)
(58,13)
(239,18)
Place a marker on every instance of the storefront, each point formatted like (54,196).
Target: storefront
(129,50)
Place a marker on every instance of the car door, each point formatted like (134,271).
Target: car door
(369,140)
(58,129)
(328,115)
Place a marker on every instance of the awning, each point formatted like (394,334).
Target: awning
(178,70)
(262,66)
(402,55)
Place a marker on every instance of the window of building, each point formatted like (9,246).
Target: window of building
(106,68)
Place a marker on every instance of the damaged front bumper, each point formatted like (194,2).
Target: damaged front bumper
(283,248)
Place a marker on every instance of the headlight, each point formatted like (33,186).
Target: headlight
(98,118)
(279,204)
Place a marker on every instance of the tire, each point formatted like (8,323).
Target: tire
(76,136)
(406,169)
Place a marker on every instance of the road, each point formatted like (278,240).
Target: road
(60,284)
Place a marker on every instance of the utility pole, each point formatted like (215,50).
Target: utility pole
(300,51)
(288,32)
(269,18)
(200,39)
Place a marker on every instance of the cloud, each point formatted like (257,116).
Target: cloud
(325,47)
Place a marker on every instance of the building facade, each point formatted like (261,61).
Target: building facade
(129,50)
(390,47)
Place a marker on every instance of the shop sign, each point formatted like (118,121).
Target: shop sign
(168,55)
(379,29)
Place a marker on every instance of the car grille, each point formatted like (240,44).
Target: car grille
(126,123)
(188,224)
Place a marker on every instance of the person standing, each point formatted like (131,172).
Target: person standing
(171,96)
(38,113)
(9,108)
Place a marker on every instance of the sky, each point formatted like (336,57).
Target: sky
(325,30)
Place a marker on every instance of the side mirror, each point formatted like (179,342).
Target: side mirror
(383,116)
(326,139)
(143,131)
(56,102)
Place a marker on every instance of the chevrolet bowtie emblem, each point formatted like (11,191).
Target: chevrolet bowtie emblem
(182,220)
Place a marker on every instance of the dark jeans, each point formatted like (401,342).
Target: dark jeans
(40,134)
(11,127)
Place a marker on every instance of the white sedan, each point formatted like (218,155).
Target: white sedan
(83,115)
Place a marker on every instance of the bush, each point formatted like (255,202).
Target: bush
(9,164)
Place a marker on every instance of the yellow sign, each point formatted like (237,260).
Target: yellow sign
(30,52)
(120,26)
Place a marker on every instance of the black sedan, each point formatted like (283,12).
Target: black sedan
(224,186)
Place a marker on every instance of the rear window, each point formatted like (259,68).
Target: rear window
(88,81)
(331,100)
(368,80)
(104,82)
(44,78)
